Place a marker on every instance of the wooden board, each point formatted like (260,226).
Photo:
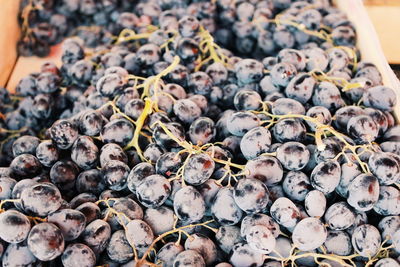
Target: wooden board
(386,20)
(9,35)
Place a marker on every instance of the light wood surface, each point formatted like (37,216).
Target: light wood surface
(9,35)
(386,20)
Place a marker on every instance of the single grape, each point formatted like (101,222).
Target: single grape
(139,233)
(243,255)
(293,156)
(190,258)
(204,246)
(153,191)
(63,133)
(118,248)
(388,226)
(14,226)
(239,123)
(366,240)
(46,241)
(41,199)
(326,176)
(285,212)
(84,152)
(189,204)
(255,142)
(265,168)
(160,219)
(224,208)
(259,219)
(115,174)
(227,236)
(112,151)
(290,129)
(198,169)
(315,203)
(302,237)
(96,235)
(18,255)
(47,153)
(388,202)
(338,243)
(385,167)
(70,222)
(78,254)
(340,216)
(296,185)
(251,195)
(363,192)
(167,254)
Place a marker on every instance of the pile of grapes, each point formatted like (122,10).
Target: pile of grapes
(198,133)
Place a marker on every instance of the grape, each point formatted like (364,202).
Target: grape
(90,181)
(387,262)
(259,219)
(112,151)
(118,131)
(260,239)
(25,145)
(115,174)
(265,168)
(326,176)
(224,208)
(248,71)
(18,255)
(14,226)
(243,255)
(285,212)
(6,185)
(63,174)
(247,100)
(363,192)
(202,130)
(251,195)
(119,249)
(46,241)
(70,222)
(380,97)
(153,191)
(160,219)
(296,185)
(41,199)
(303,239)
(255,142)
(363,129)
(187,110)
(90,210)
(396,241)
(189,204)
(338,243)
(138,173)
(78,254)
(25,165)
(128,207)
(388,202)
(239,123)
(63,133)
(198,169)
(366,240)
(282,73)
(96,235)
(204,246)
(388,226)
(47,153)
(190,258)
(167,254)
(283,106)
(315,203)
(287,130)
(340,216)
(84,152)
(293,156)
(227,236)
(384,167)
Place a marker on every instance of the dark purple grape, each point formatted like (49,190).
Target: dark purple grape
(46,241)
(63,174)
(41,199)
(115,174)
(78,254)
(47,153)
(198,169)
(14,226)
(25,165)
(70,222)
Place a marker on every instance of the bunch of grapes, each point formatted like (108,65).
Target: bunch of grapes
(201,133)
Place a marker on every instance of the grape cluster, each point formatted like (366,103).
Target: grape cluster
(199,133)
